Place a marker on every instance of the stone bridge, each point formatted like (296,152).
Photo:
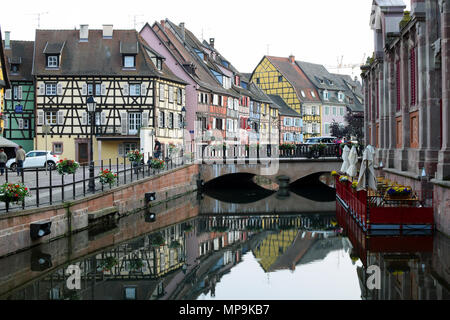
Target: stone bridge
(281,171)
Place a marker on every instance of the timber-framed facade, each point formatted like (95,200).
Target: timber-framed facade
(119,75)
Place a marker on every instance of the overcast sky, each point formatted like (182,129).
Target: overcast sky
(318,31)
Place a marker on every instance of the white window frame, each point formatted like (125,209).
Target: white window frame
(53,116)
(162,91)
(127,59)
(52,61)
(135,89)
(134,122)
(51,89)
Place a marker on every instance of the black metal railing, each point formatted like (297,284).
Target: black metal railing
(48,187)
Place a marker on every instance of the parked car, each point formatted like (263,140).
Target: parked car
(36,159)
(320,140)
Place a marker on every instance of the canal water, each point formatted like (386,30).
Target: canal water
(249,241)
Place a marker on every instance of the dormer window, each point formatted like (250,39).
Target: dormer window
(159,64)
(129,61)
(325,95)
(52,61)
(340,96)
(313,94)
(303,93)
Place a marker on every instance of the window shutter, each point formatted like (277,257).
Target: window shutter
(126,89)
(161,92)
(143,89)
(84,118)
(84,89)
(145,119)
(103,89)
(60,117)
(8,94)
(103,118)
(20,123)
(183,98)
(59,89)
(167,121)
(40,118)
(124,123)
(5,121)
(121,150)
(19,93)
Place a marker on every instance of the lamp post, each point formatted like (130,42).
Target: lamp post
(91,111)
(183,125)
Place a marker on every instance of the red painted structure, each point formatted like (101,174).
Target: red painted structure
(364,244)
(373,214)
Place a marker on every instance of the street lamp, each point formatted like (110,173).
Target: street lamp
(183,124)
(91,111)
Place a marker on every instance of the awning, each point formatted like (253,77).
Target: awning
(5,143)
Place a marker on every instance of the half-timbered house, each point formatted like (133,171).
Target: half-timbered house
(4,83)
(18,112)
(126,82)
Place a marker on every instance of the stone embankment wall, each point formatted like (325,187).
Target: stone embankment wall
(72,217)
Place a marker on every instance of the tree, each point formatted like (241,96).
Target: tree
(355,125)
(338,130)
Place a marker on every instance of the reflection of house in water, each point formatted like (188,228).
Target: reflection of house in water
(288,248)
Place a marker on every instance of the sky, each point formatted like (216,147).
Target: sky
(321,31)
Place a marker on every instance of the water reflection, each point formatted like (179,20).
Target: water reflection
(189,253)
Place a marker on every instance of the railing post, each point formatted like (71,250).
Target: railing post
(50,186)
(117,168)
(74,185)
(84,179)
(124,170)
(101,170)
(62,187)
(37,187)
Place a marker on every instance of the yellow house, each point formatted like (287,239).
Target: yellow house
(4,83)
(283,77)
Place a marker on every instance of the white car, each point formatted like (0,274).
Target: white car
(36,159)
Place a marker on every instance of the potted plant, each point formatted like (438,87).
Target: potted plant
(135,157)
(174,244)
(107,264)
(67,166)
(107,177)
(136,264)
(334,173)
(399,192)
(343,179)
(156,240)
(156,164)
(13,192)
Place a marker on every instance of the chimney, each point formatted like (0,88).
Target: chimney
(183,32)
(211,42)
(107,31)
(7,40)
(84,32)
(292,59)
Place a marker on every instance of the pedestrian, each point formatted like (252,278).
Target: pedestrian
(20,158)
(3,159)
(157,151)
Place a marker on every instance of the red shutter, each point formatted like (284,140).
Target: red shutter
(398,85)
(413,76)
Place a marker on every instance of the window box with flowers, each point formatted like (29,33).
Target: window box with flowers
(67,166)
(107,177)
(13,192)
(156,164)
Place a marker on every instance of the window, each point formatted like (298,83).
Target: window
(303,93)
(297,122)
(170,94)
(161,92)
(340,96)
(257,80)
(180,121)
(134,122)
(327,110)
(127,147)
(334,111)
(130,293)
(94,89)
(50,118)
(179,95)
(97,118)
(280,78)
(14,68)
(50,89)
(341,111)
(26,123)
(135,89)
(129,61)
(162,119)
(52,61)
(159,64)
(57,147)
(15,93)
(171,120)
(325,95)
(313,94)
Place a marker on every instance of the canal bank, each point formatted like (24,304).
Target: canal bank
(72,217)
